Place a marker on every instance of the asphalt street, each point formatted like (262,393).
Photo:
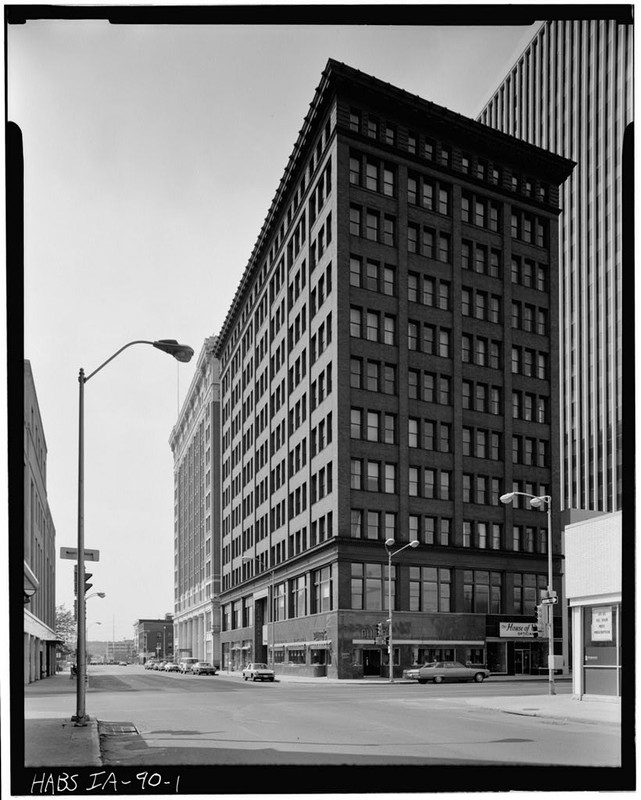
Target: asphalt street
(222,720)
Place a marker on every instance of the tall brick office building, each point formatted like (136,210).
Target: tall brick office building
(387,371)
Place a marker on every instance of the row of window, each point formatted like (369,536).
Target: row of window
(429,149)
(429,590)
(373,376)
(373,476)
(428,242)
(371,224)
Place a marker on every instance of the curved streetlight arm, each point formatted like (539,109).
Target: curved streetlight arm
(543,498)
(181,352)
(413,543)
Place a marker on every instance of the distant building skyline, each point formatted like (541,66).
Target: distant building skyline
(571,91)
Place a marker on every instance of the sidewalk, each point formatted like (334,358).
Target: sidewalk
(56,742)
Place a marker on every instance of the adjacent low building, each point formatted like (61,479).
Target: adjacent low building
(39,545)
(593,584)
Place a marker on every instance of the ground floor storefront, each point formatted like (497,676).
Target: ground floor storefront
(352,644)
(39,650)
(594,564)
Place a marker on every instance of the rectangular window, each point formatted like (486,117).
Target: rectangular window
(373,426)
(373,476)
(355,220)
(357,474)
(371,226)
(372,326)
(390,478)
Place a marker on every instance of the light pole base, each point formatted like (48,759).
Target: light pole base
(80,722)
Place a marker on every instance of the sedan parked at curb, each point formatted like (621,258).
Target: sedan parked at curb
(258,672)
(203,668)
(171,667)
(440,671)
(186,665)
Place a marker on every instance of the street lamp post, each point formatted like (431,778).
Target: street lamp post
(537,502)
(270,640)
(180,352)
(390,642)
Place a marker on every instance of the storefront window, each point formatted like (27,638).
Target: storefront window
(482,592)
(527,592)
(369,586)
(296,656)
(429,589)
(322,590)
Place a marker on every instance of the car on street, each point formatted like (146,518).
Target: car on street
(258,672)
(159,665)
(440,671)
(171,667)
(203,668)
(186,665)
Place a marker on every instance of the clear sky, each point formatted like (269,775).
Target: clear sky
(152,154)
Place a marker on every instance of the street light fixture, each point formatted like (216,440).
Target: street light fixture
(538,502)
(270,641)
(390,644)
(181,352)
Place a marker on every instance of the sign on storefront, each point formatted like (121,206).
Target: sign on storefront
(602,624)
(518,630)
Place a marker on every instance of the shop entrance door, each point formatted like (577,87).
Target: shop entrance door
(371,662)
(521,662)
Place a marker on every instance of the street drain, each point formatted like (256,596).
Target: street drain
(116,728)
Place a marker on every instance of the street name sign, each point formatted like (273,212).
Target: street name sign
(72,553)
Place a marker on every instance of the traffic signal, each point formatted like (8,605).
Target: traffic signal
(542,620)
(75,580)
(379,628)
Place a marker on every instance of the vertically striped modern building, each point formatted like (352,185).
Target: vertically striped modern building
(388,370)
(195,443)
(571,92)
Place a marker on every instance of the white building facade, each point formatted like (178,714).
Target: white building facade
(196,448)
(593,550)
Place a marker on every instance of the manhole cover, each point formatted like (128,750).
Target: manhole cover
(117,728)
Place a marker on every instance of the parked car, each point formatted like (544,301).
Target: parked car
(439,671)
(171,667)
(122,663)
(186,664)
(258,672)
(149,664)
(203,668)
(159,665)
